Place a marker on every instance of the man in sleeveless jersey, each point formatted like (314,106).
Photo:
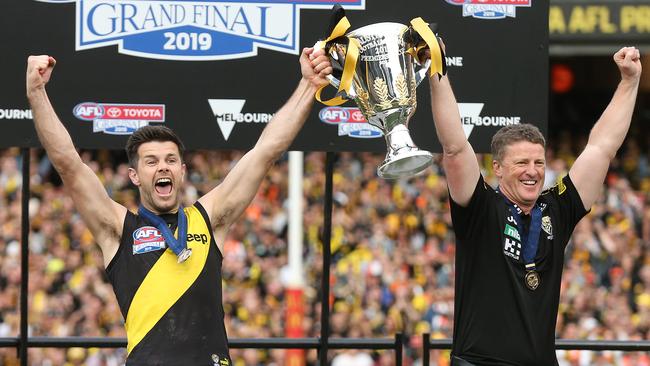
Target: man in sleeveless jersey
(165,262)
(510,241)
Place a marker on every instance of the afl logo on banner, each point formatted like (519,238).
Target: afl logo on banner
(350,121)
(119,119)
(490,9)
(88,111)
(194,30)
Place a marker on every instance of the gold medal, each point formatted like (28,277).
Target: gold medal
(532,280)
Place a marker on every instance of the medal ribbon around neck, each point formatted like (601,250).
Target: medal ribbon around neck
(530,241)
(178,246)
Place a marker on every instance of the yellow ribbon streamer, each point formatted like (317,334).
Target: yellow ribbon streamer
(350,63)
(422,28)
(339,30)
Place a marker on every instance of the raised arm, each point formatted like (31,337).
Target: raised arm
(589,170)
(229,199)
(461,167)
(103,216)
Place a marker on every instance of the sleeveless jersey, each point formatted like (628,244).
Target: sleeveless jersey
(174,312)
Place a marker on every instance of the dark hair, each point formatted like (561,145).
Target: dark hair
(148,134)
(508,135)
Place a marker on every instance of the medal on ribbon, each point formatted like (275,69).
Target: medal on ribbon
(178,246)
(529,240)
(531,277)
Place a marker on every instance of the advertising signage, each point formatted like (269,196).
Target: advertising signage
(216,71)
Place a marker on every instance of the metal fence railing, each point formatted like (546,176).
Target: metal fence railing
(566,344)
(395,344)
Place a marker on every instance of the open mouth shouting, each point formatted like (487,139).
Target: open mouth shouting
(163,186)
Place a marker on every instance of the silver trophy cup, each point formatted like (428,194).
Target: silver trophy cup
(383,87)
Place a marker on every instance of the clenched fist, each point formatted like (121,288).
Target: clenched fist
(39,70)
(315,66)
(628,61)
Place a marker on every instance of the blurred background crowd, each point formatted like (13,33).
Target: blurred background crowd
(392,267)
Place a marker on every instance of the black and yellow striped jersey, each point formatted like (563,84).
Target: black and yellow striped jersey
(174,312)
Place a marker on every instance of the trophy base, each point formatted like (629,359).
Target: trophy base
(405,165)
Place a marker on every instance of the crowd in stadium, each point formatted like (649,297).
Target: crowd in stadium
(392,259)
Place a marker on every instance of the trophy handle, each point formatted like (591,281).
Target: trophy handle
(344,85)
(420,70)
(345,89)
(437,63)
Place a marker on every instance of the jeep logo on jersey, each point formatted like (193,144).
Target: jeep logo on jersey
(228,113)
(147,239)
(201,238)
(490,9)
(194,29)
(470,116)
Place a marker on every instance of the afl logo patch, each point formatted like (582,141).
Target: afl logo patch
(147,239)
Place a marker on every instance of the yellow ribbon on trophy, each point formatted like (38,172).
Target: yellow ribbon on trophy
(350,63)
(430,40)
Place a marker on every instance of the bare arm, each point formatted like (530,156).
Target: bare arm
(103,216)
(461,167)
(227,201)
(607,135)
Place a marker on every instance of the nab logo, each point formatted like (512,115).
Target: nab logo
(147,239)
(195,30)
(88,111)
